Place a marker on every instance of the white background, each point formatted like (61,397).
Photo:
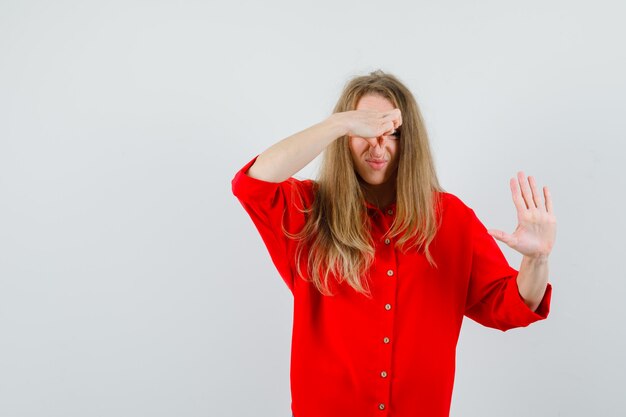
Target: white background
(132,283)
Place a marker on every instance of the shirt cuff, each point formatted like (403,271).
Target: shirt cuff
(526,314)
(247,188)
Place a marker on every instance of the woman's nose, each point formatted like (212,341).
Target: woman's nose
(377,146)
(376,141)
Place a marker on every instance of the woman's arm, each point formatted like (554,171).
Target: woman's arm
(290,155)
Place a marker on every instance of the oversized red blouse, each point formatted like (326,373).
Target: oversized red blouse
(392,355)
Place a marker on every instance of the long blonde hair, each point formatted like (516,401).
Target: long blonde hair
(336,234)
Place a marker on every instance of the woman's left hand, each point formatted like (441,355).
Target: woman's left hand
(536,229)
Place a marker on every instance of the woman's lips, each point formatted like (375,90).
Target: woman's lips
(377,164)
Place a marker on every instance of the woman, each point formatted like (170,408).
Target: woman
(383,263)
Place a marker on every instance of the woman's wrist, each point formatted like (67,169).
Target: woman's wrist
(337,124)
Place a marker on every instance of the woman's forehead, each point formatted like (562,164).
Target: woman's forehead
(374,102)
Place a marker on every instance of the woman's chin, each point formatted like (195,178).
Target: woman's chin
(374,180)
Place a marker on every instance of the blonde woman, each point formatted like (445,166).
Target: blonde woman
(383,264)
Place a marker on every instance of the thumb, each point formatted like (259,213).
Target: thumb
(500,235)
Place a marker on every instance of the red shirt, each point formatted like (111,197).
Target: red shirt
(392,355)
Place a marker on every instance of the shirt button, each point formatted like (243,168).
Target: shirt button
(387,241)
(386,340)
(390,272)
(383,374)
(390,212)
(387,306)
(381,406)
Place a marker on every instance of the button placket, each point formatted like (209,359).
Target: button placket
(388,298)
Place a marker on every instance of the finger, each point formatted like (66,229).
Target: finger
(518,200)
(495,233)
(500,235)
(398,115)
(390,128)
(526,192)
(388,115)
(398,122)
(392,114)
(535,191)
(548,197)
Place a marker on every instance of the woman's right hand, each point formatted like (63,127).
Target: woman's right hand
(370,123)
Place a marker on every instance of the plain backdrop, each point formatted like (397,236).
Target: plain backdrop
(132,283)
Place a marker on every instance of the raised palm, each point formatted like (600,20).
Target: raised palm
(535,233)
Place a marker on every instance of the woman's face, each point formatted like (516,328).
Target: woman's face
(375,159)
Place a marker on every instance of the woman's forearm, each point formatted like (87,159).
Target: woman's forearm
(290,155)
(532,280)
